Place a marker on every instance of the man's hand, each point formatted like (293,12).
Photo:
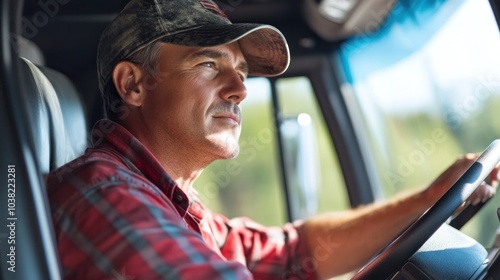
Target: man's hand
(441,185)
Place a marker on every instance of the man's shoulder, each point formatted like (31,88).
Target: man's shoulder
(87,167)
(92,171)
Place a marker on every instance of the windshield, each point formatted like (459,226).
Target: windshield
(424,89)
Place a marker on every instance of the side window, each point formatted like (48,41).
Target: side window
(251,185)
(324,189)
(426,88)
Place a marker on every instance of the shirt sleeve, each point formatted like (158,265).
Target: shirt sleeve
(125,232)
(268,252)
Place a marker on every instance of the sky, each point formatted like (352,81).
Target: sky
(465,51)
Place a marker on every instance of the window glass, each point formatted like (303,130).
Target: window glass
(426,87)
(324,187)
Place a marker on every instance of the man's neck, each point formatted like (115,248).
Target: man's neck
(184,177)
(179,162)
(182,163)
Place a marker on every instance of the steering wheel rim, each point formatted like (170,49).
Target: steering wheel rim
(396,254)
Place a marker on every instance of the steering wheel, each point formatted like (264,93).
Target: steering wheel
(395,255)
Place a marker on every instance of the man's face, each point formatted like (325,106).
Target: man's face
(193,101)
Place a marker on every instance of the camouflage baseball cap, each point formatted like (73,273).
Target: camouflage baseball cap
(191,23)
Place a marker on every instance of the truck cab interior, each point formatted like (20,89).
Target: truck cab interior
(380,97)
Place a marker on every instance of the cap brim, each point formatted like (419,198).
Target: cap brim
(264,47)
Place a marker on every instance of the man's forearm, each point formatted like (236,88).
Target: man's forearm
(342,242)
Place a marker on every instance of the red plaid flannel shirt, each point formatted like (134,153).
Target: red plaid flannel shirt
(118,215)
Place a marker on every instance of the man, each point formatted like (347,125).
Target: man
(172,75)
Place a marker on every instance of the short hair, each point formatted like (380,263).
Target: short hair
(147,59)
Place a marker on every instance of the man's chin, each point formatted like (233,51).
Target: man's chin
(231,154)
(227,147)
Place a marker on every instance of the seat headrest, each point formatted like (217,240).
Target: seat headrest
(29,50)
(58,118)
(72,109)
(39,118)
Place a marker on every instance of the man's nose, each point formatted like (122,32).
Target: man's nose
(234,89)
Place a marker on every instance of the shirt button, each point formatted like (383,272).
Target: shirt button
(179,197)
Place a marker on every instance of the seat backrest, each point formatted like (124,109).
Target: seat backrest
(58,118)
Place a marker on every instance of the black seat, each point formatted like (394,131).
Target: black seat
(57,116)
(44,128)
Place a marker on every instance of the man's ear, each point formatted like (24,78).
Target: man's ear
(127,79)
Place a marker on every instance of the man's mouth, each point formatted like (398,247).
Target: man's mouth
(228,116)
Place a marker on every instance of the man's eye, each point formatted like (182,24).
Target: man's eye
(208,64)
(243,77)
